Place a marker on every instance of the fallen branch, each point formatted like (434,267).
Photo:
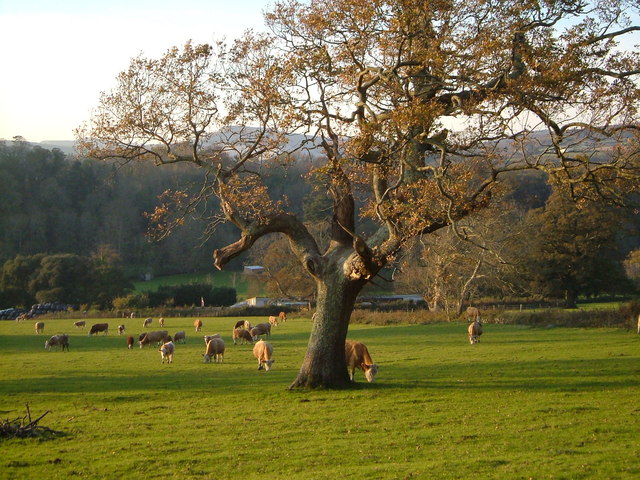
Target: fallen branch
(25,427)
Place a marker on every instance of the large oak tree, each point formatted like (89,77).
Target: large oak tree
(419,108)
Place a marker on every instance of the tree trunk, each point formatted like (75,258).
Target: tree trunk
(324,363)
(570,299)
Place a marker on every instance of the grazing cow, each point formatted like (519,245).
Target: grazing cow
(39,326)
(475,330)
(243,324)
(147,322)
(241,334)
(57,341)
(261,329)
(120,329)
(263,351)
(180,336)
(157,336)
(207,338)
(357,356)
(129,342)
(166,351)
(282,316)
(161,322)
(273,321)
(198,325)
(133,315)
(214,350)
(99,327)
(79,324)
(473,314)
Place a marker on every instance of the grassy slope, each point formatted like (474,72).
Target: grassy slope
(524,403)
(215,278)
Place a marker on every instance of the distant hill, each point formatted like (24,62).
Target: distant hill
(66,146)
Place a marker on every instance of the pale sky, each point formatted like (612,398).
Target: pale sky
(58,55)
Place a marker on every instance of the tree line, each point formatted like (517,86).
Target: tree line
(54,203)
(85,216)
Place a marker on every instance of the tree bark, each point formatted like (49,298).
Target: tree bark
(324,363)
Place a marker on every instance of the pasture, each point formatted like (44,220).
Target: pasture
(523,403)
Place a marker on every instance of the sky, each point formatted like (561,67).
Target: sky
(58,55)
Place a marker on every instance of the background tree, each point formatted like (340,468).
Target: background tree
(461,262)
(575,251)
(420,108)
(64,278)
(15,280)
(632,267)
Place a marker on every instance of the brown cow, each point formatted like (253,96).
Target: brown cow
(273,321)
(357,356)
(129,342)
(39,326)
(157,336)
(241,334)
(99,327)
(79,324)
(214,350)
(475,330)
(263,351)
(120,329)
(198,325)
(283,316)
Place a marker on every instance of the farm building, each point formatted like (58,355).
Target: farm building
(253,270)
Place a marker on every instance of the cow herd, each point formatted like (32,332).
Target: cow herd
(243,332)
(356,353)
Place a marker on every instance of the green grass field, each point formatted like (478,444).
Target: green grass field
(524,403)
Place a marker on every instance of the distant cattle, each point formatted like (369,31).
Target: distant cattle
(263,352)
(473,314)
(475,330)
(129,342)
(120,329)
(357,356)
(198,325)
(261,329)
(207,338)
(241,334)
(161,322)
(79,324)
(214,351)
(282,316)
(147,322)
(157,336)
(273,321)
(180,336)
(166,352)
(58,341)
(39,327)
(99,327)
(243,324)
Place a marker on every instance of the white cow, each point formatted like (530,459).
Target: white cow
(166,351)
